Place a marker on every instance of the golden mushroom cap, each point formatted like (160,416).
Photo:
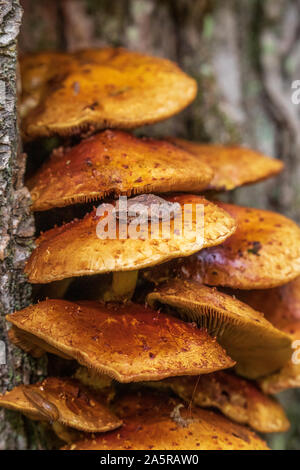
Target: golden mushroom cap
(289,375)
(255,344)
(128,342)
(281,306)
(100,88)
(65,401)
(74,249)
(232,166)
(264,252)
(155,421)
(114,163)
(238,399)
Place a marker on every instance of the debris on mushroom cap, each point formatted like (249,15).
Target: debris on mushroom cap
(74,249)
(64,400)
(114,163)
(127,342)
(281,306)
(232,166)
(157,422)
(110,87)
(238,399)
(263,252)
(255,344)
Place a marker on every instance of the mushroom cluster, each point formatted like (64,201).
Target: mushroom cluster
(150,303)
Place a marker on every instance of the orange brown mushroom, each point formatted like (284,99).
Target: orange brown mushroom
(232,166)
(127,342)
(65,401)
(263,252)
(75,249)
(238,399)
(114,163)
(101,88)
(254,343)
(154,421)
(281,306)
(65,94)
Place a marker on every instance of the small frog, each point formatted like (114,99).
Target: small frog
(146,207)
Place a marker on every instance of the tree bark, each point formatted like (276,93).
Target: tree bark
(16,229)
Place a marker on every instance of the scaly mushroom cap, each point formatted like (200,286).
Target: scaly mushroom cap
(238,399)
(65,401)
(127,342)
(74,249)
(263,252)
(281,306)
(254,343)
(100,88)
(157,422)
(113,163)
(232,166)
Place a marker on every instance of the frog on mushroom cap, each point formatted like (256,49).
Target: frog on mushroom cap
(75,249)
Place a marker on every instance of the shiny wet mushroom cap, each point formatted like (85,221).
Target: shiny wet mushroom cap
(62,400)
(127,342)
(114,163)
(232,166)
(84,247)
(157,422)
(255,344)
(111,87)
(264,252)
(237,398)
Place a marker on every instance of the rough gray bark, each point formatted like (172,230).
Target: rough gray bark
(16,226)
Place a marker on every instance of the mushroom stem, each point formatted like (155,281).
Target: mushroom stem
(123,286)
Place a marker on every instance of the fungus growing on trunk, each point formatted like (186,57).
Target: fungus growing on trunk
(65,401)
(129,342)
(232,166)
(100,88)
(82,247)
(238,399)
(157,422)
(255,344)
(263,252)
(114,163)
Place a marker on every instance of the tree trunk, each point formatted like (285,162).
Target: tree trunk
(16,230)
(243,53)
